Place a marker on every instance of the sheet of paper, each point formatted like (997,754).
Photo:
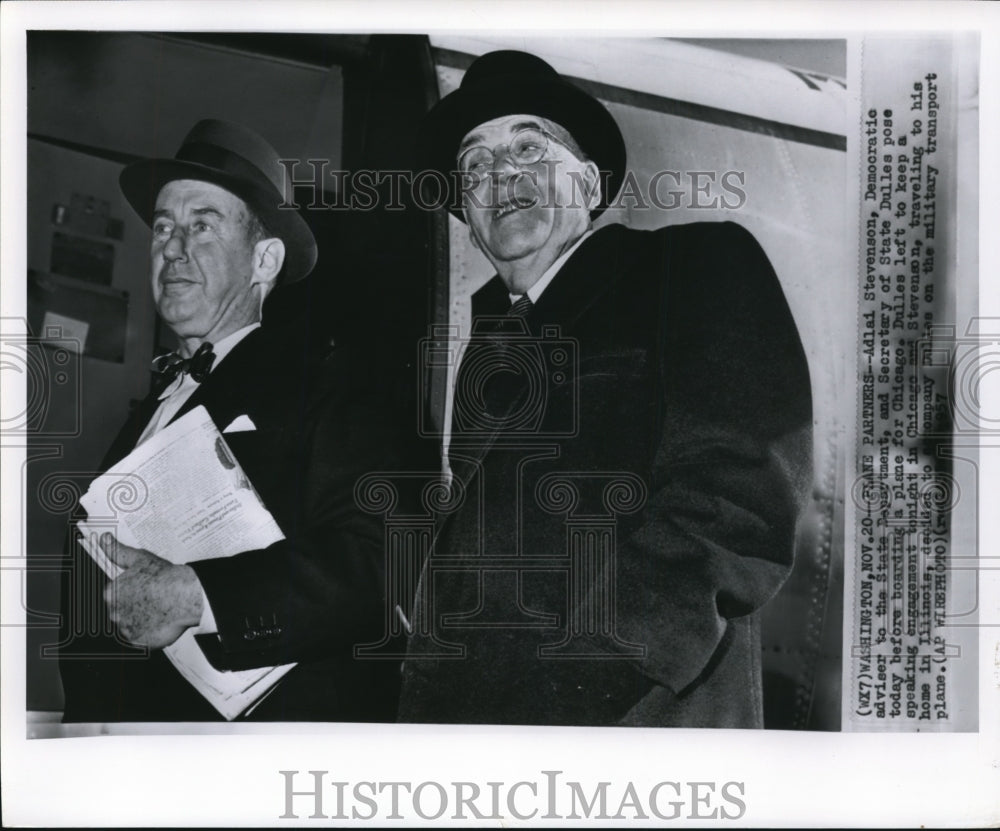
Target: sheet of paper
(182,495)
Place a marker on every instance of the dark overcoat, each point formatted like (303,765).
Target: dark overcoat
(309,598)
(626,492)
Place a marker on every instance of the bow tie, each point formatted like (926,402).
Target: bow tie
(168,367)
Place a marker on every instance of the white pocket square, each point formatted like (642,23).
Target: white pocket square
(240,424)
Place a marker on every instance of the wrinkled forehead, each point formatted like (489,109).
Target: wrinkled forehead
(499,130)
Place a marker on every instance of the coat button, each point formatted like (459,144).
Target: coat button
(251,635)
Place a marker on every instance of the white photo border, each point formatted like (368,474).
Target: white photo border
(807,779)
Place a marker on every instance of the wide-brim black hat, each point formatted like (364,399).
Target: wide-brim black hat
(509,82)
(237,159)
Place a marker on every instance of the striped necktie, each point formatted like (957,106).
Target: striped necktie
(520,307)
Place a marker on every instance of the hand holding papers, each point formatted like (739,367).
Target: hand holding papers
(152,601)
(183,496)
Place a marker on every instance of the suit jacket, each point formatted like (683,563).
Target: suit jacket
(308,598)
(626,494)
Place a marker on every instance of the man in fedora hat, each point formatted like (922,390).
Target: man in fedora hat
(630,441)
(303,429)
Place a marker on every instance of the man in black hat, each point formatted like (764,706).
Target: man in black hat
(630,441)
(303,429)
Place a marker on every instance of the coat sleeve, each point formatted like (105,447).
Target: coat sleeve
(322,589)
(733,465)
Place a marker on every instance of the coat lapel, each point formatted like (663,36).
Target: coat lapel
(491,299)
(128,436)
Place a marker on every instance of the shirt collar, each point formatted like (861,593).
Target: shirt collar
(542,283)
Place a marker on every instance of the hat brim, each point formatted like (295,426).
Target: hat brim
(142,181)
(586,119)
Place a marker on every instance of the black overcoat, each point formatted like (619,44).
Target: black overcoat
(626,492)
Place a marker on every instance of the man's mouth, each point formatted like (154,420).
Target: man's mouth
(513,194)
(174,283)
(508,208)
(170,276)
(505,210)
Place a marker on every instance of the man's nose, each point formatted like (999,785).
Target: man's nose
(503,161)
(176,247)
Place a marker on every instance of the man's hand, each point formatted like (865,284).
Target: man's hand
(152,601)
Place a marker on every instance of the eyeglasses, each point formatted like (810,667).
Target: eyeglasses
(526,147)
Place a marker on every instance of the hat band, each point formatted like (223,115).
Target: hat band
(225,161)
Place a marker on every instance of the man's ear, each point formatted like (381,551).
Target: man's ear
(592,185)
(268,257)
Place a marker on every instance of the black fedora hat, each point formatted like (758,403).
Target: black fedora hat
(237,159)
(509,82)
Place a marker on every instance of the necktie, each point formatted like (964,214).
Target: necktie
(520,307)
(168,367)
(491,373)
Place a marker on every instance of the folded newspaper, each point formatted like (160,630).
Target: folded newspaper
(183,496)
